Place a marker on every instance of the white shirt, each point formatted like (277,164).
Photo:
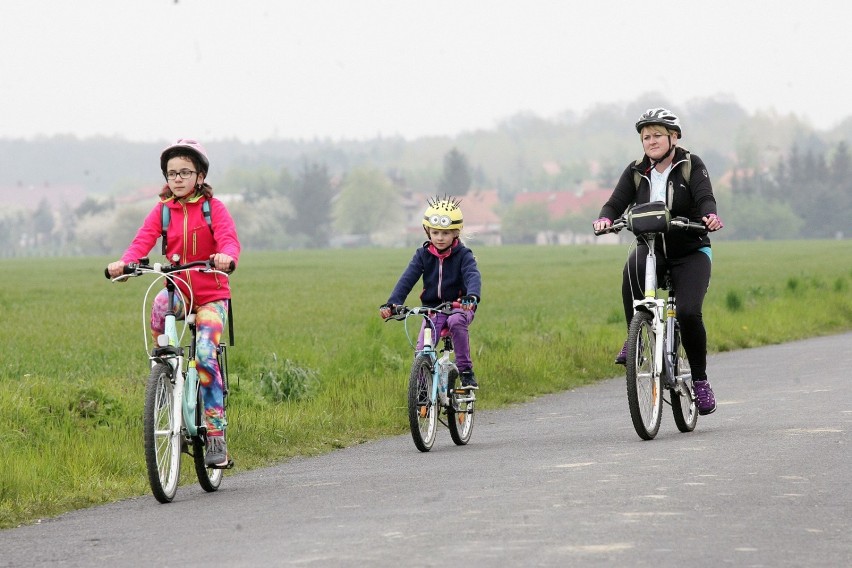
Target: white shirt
(658,183)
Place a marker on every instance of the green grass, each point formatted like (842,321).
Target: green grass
(73,362)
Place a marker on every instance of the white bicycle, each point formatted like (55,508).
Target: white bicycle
(656,358)
(174,416)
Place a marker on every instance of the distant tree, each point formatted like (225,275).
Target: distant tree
(311,198)
(457,174)
(521,224)
(43,222)
(368,202)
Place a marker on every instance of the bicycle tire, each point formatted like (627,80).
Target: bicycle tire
(422,411)
(644,395)
(209,478)
(460,415)
(684,407)
(162,448)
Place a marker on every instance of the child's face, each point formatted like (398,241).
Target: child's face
(179,186)
(442,238)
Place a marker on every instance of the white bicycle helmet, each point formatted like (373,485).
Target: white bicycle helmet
(661,116)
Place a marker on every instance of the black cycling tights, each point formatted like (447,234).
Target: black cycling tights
(690,277)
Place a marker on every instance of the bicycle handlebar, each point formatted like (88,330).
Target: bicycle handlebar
(680,222)
(139,268)
(401,312)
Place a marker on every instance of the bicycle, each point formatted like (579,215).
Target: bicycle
(655,353)
(431,384)
(173,419)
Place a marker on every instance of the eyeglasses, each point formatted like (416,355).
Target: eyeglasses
(184,174)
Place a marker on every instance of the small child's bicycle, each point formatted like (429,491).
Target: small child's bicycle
(173,419)
(431,385)
(655,351)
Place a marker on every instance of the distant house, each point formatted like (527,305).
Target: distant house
(560,204)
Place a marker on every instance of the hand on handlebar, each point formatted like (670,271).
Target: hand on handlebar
(115,269)
(387,310)
(712,222)
(602,223)
(222,262)
(469,302)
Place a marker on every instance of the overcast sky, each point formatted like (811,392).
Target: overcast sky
(150,70)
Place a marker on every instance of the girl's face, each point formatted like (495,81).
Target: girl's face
(183,187)
(442,238)
(655,142)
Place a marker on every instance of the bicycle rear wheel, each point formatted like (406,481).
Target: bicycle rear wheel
(460,415)
(162,440)
(683,405)
(422,412)
(644,396)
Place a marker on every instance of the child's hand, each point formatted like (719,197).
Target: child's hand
(386,311)
(469,302)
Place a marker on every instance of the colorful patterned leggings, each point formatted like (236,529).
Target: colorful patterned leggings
(209,323)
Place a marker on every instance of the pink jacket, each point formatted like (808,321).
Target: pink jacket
(191,238)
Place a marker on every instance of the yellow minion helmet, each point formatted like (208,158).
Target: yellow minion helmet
(443,214)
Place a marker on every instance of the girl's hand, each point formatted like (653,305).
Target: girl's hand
(221,261)
(116,268)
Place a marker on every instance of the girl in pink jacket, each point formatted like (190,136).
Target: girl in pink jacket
(188,237)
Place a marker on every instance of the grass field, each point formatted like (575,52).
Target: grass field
(73,362)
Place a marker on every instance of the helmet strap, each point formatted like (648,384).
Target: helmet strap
(667,154)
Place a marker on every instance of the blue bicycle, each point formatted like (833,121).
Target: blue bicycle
(432,394)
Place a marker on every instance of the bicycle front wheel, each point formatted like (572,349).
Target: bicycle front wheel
(460,415)
(683,405)
(644,396)
(422,411)
(162,438)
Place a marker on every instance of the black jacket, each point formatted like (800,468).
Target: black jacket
(693,199)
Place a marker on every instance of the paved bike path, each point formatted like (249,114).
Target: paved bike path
(562,481)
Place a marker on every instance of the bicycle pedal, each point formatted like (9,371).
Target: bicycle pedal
(228,465)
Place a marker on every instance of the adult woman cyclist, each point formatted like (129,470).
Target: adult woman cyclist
(686,255)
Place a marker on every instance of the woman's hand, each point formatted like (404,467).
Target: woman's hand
(601,224)
(712,222)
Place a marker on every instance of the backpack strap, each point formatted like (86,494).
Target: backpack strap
(231,321)
(165,217)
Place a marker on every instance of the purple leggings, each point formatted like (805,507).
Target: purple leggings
(457,322)
(209,323)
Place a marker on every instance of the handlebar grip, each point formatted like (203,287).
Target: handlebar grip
(106,273)
(232,266)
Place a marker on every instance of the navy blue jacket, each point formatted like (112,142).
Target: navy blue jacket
(446,276)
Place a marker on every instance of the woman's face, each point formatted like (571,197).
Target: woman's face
(183,187)
(656,142)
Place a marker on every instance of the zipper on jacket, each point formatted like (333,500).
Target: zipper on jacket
(440,277)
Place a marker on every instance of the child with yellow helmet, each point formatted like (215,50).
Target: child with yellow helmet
(449,272)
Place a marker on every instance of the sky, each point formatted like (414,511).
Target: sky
(151,70)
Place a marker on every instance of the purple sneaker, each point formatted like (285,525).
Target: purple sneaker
(621,358)
(704,397)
